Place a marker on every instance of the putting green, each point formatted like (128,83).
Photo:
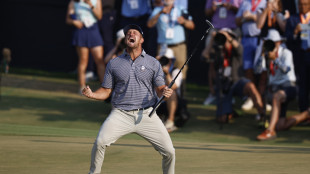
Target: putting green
(50,155)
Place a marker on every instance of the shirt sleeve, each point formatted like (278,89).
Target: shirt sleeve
(285,63)
(155,11)
(237,3)
(240,10)
(158,79)
(108,81)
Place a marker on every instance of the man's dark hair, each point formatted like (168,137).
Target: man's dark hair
(132,26)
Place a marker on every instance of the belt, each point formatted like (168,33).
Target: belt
(174,45)
(138,109)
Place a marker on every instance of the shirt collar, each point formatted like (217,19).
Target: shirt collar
(128,56)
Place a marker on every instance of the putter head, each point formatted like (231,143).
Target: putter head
(210,25)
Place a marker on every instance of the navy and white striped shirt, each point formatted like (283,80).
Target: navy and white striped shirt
(133,82)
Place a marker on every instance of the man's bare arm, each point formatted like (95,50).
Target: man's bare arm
(99,94)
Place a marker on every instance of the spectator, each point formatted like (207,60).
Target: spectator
(268,18)
(83,15)
(287,123)
(136,79)
(246,18)
(222,15)
(118,48)
(290,6)
(271,17)
(170,73)
(298,37)
(170,21)
(6,52)
(281,80)
(107,24)
(228,64)
(136,12)
(106,27)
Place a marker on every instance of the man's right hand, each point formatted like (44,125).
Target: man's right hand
(87,92)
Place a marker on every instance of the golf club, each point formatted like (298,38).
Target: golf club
(173,81)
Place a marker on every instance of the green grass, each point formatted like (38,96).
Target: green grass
(46,127)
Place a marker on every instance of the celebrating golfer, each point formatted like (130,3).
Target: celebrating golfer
(134,80)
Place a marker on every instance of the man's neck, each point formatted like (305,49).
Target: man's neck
(134,52)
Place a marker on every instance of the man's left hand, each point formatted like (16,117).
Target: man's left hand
(167,92)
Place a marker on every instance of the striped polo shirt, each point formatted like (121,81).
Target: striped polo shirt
(133,82)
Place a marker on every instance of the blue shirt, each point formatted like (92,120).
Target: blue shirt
(136,8)
(181,3)
(167,21)
(284,68)
(249,28)
(84,13)
(133,82)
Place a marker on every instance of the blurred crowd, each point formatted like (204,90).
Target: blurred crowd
(259,50)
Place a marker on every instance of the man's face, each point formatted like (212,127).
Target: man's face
(304,6)
(133,39)
(168,2)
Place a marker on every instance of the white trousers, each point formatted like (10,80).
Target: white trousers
(120,123)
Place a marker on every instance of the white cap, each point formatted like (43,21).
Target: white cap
(120,34)
(169,53)
(273,35)
(230,32)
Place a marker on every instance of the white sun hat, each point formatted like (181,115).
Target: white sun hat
(169,53)
(274,35)
(120,34)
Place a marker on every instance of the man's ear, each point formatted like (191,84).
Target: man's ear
(141,40)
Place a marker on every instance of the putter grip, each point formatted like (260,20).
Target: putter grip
(161,99)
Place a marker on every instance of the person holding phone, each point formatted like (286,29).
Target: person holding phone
(171,21)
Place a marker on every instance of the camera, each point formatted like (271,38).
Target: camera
(268,46)
(185,14)
(218,55)
(163,61)
(220,39)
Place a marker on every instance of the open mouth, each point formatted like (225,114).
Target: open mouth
(131,40)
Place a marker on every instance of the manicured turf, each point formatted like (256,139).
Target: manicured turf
(45,127)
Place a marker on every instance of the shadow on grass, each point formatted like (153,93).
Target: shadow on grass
(58,108)
(203,120)
(213,147)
